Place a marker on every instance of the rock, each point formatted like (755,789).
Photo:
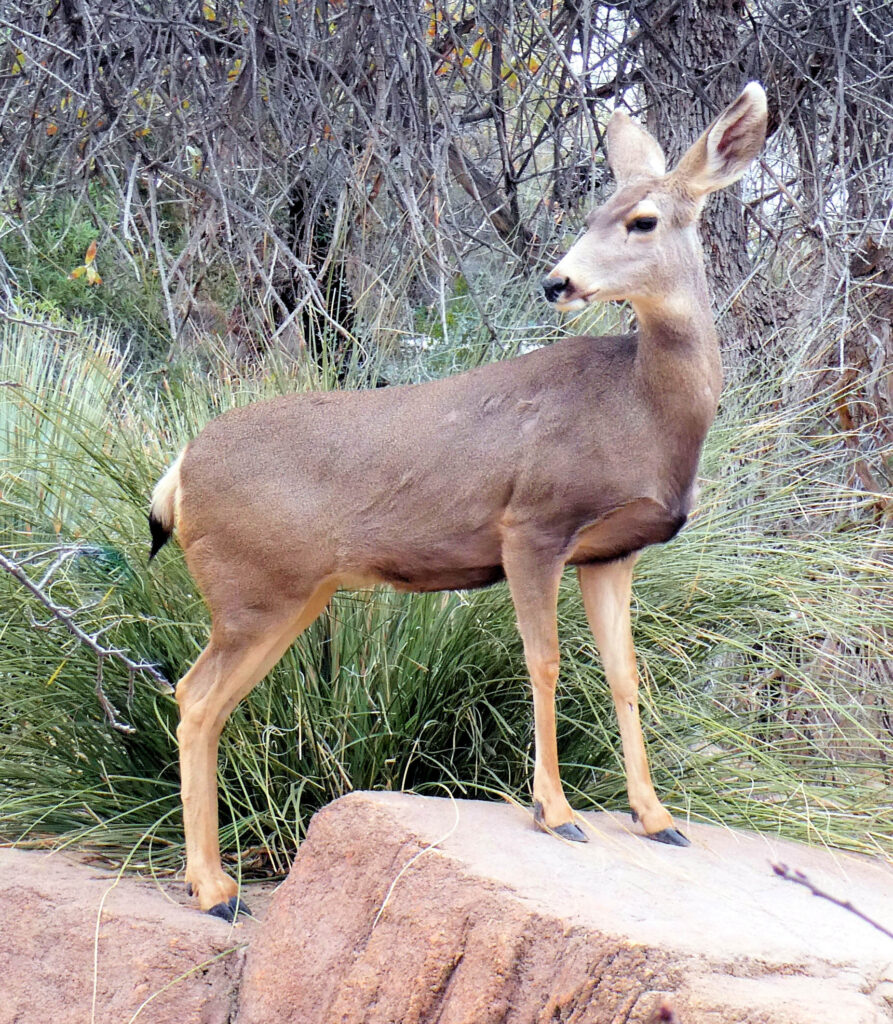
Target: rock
(411,910)
(68,926)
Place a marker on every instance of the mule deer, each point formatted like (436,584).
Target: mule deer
(580,453)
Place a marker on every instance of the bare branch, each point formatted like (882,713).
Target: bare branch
(67,617)
(791,875)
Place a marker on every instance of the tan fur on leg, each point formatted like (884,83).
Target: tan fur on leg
(606,592)
(225,672)
(533,582)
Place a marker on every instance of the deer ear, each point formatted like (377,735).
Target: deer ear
(724,152)
(632,152)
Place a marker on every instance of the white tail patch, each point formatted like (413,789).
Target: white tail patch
(164,497)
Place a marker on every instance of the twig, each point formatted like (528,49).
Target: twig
(783,871)
(66,617)
(24,322)
(111,712)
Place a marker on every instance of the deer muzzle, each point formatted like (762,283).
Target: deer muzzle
(554,286)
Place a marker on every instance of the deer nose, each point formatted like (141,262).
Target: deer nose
(554,286)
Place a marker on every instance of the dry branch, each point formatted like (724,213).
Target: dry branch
(67,617)
(798,877)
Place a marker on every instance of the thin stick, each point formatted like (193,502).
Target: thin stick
(783,871)
(65,616)
(413,859)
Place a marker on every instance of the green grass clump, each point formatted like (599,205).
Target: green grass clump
(760,630)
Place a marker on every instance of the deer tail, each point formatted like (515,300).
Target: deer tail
(162,511)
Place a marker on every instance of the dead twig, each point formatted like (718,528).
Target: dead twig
(66,617)
(790,875)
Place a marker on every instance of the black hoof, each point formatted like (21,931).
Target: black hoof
(230,910)
(567,831)
(572,832)
(670,836)
(189,888)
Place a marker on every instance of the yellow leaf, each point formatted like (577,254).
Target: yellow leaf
(78,272)
(93,276)
(52,129)
(196,160)
(210,14)
(233,72)
(91,253)
(480,45)
(18,63)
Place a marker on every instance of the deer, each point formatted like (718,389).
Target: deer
(579,453)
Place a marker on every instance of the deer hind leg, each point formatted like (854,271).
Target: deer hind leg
(235,660)
(533,583)
(606,589)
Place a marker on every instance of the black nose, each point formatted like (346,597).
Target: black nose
(554,286)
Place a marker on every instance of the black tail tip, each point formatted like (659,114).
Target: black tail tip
(160,535)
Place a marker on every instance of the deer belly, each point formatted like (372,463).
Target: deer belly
(465,560)
(435,578)
(626,529)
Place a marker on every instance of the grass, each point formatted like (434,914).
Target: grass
(762,632)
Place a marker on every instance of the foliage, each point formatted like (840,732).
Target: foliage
(760,632)
(58,259)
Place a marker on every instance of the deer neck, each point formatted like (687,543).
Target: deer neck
(678,361)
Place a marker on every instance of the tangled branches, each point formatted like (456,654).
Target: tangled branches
(309,173)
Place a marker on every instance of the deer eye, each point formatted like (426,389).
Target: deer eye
(642,224)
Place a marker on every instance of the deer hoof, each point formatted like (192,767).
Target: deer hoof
(670,836)
(230,910)
(567,831)
(572,832)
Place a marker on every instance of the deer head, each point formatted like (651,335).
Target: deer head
(642,245)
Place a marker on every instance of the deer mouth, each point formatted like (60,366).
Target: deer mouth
(574,303)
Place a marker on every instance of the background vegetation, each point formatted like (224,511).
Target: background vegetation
(204,204)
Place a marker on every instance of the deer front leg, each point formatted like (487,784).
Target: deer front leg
(533,581)
(606,589)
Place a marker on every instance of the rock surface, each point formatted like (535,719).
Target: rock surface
(501,923)
(495,923)
(78,945)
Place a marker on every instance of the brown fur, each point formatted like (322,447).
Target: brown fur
(580,453)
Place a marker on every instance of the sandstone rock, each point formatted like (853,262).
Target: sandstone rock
(500,923)
(495,924)
(68,927)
